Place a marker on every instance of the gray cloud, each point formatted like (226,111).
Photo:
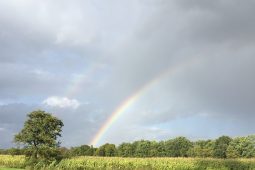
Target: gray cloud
(12,119)
(220,35)
(221,21)
(79,124)
(48,49)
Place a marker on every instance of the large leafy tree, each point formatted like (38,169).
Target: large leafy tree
(143,148)
(83,150)
(221,146)
(241,147)
(106,150)
(178,147)
(202,148)
(126,150)
(39,135)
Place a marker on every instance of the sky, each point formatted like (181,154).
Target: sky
(189,64)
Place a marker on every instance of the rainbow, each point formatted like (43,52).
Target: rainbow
(129,101)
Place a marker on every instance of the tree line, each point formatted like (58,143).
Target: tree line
(222,147)
(38,140)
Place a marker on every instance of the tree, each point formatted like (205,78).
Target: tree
(125,150)
(202,148)
(106,150)
(110,150)
(178,147)
(220,147)
(249,150)
(142,148)
(39,135)
(83,150)
(241,147)
(161,149)
(234,149)
(154,149)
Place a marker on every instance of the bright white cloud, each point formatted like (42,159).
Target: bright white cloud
(62,102)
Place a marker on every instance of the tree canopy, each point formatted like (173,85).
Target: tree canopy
(39,135)
(41,131)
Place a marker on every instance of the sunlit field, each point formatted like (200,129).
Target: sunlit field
(10,169)
(7,162)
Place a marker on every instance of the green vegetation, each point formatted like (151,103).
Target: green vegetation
(41,150)
(39,137)
(10,169)
(144,154)
(12,161)
(136,163)
(223,147)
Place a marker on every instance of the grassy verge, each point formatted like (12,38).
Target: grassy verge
(12,161)
(116,163)
(10,169)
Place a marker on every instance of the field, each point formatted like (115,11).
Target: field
(8,161)
(135,163)
(10,169)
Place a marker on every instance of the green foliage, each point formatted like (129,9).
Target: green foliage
(83,150)
(178,147)
(126,150)
(41,130)
(241,147)
(221,146)
(12,161)
(161,149)
(143,148)
(110,150)
(12,151)
(109,163)
(106,150)
(249,150)
(202,149)
(39,136)
(10,169)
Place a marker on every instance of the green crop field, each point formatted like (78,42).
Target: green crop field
(8,161)
(134,163)
(10,169)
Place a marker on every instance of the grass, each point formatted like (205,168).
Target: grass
(117,163)
(10,169)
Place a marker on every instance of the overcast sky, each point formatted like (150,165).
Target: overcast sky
(81,59)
